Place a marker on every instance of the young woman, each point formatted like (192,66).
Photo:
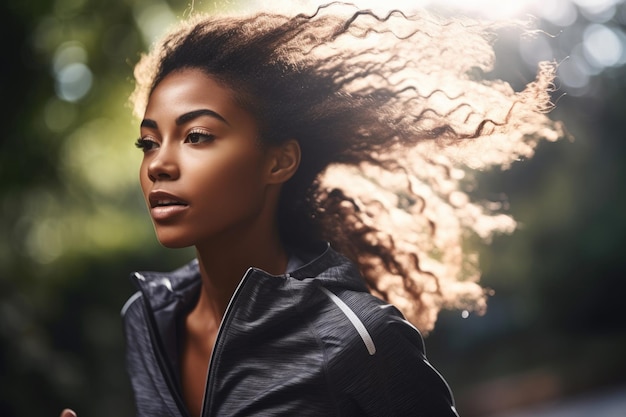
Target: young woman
(272,144)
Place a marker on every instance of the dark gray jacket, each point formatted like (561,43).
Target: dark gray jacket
(312,342)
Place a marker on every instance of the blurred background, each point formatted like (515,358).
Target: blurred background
(73,223)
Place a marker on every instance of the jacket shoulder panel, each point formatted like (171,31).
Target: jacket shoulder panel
(392,375)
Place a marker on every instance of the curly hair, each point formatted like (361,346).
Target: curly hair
(388,111)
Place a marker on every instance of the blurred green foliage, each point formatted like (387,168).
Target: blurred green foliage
(72,219)
(72,223)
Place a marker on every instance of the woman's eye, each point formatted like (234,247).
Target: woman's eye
(199,137)
(145,144)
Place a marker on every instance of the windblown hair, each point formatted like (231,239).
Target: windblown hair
(389,110)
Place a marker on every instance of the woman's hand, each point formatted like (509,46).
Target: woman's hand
(68,413)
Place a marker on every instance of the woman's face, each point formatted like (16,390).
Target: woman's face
(203,170)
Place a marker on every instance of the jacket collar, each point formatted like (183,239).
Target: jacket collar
(168,296)
(321,263)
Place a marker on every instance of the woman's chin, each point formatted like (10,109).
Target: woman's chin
(173,242)
(174,245)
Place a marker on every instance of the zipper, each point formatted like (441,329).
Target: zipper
(208,388)
(158,350)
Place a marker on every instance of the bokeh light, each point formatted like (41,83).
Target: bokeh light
(602,46)
(153,20)
(73,76)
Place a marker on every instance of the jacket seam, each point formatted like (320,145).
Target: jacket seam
(163,365)
(145,341)
(312,330)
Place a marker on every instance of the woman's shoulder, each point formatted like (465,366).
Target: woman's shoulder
(377,358)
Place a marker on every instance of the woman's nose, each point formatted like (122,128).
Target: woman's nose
(164,166)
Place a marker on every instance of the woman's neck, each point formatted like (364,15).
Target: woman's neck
(223,264)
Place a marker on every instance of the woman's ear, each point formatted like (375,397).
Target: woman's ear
(284,161)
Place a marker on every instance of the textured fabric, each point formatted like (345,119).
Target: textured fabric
(285,347)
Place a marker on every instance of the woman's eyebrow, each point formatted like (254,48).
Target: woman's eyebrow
(149,123)
(197,113)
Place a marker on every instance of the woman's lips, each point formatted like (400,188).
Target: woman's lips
(161,213)
(164,205)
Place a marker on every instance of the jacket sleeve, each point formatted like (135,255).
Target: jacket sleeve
(412,386)
(394,378)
